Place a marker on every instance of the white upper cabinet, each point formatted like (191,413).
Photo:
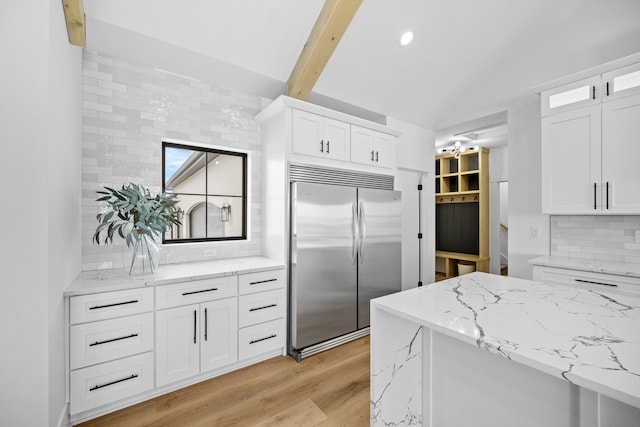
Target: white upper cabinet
(571,145)
(587,165)
(620,170)
(319,136)
(371,147)
(571,96)
(621,82)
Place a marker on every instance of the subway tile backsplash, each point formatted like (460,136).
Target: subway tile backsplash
(127,111)
(596,238)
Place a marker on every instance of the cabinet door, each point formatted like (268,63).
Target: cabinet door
(307,134)
(620,175)
(621,82)
(571,143)
(362,145)
(218,333)
(371,147)
(385,150)
(337,139)
(578,94)
(177,344)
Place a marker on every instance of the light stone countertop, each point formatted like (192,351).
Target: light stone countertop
(90,282)
(617,268)
(589,338)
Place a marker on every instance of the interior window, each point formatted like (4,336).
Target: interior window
(211,187)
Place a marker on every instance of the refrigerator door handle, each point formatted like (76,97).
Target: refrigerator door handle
(354,233)
(362,221)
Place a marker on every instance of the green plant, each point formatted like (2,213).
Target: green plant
(133,213)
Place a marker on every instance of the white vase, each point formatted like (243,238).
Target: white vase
(144,255)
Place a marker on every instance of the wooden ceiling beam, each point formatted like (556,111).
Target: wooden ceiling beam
(76,22)
(334,18)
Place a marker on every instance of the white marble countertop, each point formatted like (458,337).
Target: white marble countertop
(589,338)
(89,282)
(606,267)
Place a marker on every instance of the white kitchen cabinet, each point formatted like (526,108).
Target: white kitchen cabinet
(582,93)
(586,165)
(110,347)
(587,279)
(571,176)
(261,313)
(319,136)
(620,174)
(194,339)
(371,147)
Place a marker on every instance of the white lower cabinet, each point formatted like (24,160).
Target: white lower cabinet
(195,339)
(125,345)
(587,279)
(108,382)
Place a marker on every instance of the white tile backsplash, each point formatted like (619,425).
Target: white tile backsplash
(128,109)
(597,238)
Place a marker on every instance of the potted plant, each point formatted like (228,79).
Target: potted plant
(139,218)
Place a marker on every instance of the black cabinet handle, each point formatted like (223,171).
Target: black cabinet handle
(607,194)
(327,147)
(322,145)
(199,292)
(112,340)
(262,308)
(594,196)
(113,382)
(195,325)
(607,88)
(262,339)
(262,281)
(205,324)
(593,90)
(376,157)
(115,304)
(372,155)
(596,283)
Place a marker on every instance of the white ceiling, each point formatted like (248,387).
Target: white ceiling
(469,58)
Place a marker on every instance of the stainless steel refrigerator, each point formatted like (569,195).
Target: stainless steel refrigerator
(345,250)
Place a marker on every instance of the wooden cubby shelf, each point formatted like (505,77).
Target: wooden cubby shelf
(462,211)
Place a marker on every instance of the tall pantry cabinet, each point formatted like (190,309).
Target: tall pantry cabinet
(588,132)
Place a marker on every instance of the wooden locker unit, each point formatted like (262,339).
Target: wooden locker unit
(462,210)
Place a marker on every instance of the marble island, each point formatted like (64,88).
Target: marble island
(482,349)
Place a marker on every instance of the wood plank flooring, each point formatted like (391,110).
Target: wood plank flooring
(327,389)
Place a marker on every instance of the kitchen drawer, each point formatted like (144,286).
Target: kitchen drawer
(263,281)
(107,305)
(261,307)
(260,339)
(98,342)
(108,382)
(196,291)
(590,280)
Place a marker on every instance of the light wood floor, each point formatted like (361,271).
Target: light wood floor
(327,389)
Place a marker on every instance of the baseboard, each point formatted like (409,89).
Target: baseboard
(63,420)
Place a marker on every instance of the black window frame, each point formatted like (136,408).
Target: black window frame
(245,174)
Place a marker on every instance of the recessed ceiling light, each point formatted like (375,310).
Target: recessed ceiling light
(406,38)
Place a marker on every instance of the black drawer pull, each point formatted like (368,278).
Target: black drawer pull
(596,283)
(113,339)
(262,281)
(262,339)
(199,292)
(262,308)
(113,382)
(96,307)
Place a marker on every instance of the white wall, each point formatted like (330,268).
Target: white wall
(415,159)
(64,192)
(525,189)
(36,183)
